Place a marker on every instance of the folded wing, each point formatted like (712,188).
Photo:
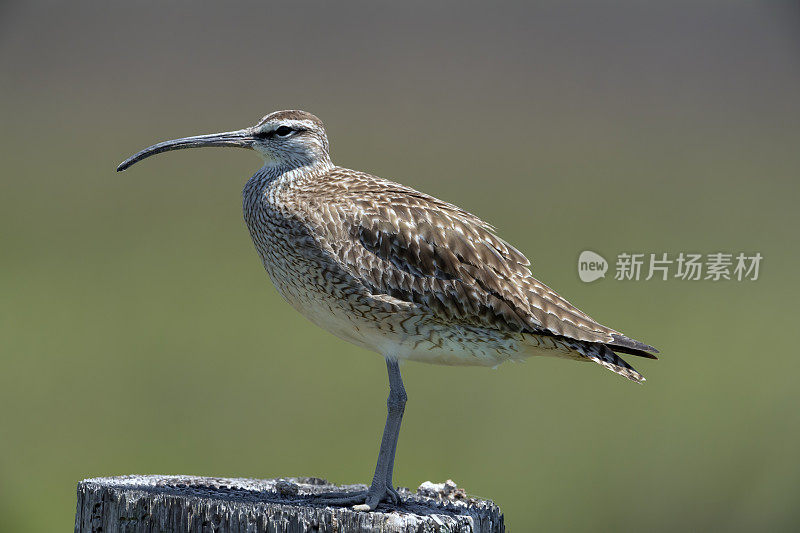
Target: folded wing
(403,243)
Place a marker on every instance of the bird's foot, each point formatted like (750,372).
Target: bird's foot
(364,500)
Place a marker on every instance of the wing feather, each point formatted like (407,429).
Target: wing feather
(403,243)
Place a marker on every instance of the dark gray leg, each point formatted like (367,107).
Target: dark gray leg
(395,388)
(381,488)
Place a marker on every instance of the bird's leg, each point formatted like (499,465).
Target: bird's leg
(381,488)
(397,400)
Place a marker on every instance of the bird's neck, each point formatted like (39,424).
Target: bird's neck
(278,174)
(293,170)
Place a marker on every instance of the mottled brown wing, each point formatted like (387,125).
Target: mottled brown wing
(414,247)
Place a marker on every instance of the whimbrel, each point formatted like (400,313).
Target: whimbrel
(397,271)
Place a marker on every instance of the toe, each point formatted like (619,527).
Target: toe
(392,495)
(373,500)
(340,498)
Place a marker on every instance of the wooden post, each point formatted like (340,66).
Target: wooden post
(201,504)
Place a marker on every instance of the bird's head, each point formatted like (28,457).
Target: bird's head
(285,139)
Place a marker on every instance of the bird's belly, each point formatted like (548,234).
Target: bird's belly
(391,328)
(381,324)
(336,302)
(406,334)
(403,333)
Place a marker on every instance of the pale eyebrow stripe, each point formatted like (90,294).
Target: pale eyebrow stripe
(294,124)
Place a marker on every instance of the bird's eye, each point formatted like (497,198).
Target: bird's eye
(283,131)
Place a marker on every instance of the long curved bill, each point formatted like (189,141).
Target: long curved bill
(239,139)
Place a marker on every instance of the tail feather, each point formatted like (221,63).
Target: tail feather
(630,351)
(630,346)
(605,356)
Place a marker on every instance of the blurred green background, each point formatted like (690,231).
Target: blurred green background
(140,334)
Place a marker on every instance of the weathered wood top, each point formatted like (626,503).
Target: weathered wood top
(198,504)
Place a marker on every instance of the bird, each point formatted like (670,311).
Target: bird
(396,271)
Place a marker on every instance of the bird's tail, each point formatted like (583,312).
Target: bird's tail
(603,355)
